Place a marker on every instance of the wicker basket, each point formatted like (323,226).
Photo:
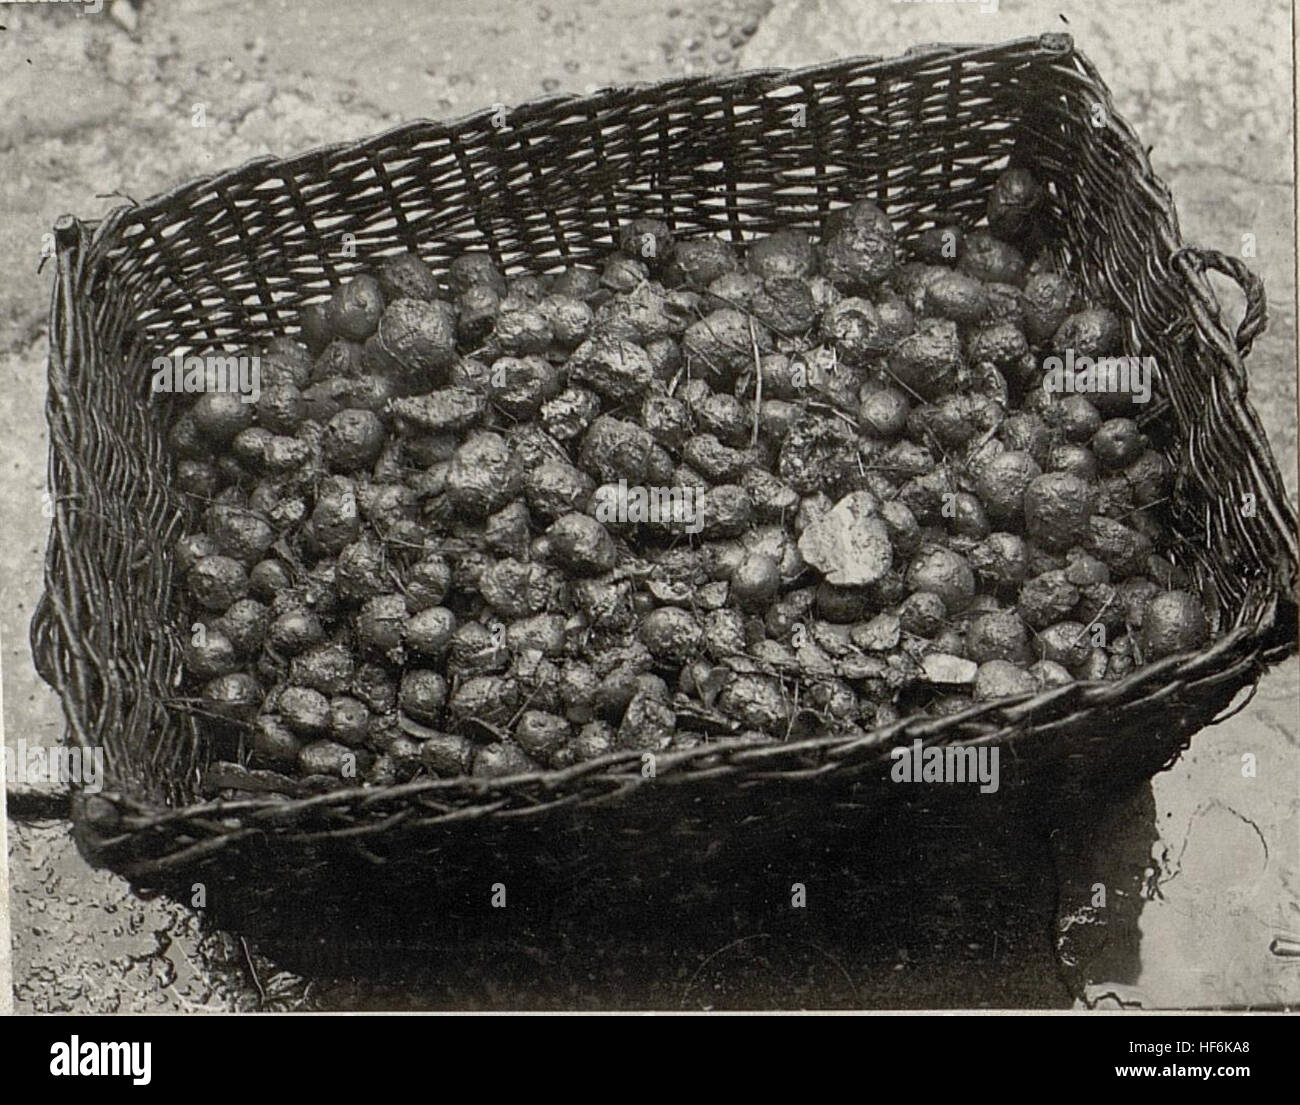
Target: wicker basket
(229,257)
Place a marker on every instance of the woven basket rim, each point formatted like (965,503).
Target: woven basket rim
(1051,44)
(79,242)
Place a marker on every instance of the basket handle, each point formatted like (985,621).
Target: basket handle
(1255,319)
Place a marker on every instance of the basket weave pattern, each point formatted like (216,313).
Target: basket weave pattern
(232,258)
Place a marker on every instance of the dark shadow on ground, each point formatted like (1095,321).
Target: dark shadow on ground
(951,907)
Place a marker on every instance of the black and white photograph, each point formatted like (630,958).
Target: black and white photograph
(650,506)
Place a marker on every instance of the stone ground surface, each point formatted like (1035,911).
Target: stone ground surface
(1201,865)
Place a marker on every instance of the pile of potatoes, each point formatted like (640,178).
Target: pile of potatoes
(409,556)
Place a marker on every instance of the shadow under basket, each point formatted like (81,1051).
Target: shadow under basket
(233,258)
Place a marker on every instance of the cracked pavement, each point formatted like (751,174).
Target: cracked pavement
(1199,868)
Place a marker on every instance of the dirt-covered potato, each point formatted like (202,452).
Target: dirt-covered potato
(622,274)
(353,439)
(614,449)
(339,358)
(1046,299)
(1093,332)
(502,759)
(1013,203)
(991,260)
(191,548)
(355,308)
(420,335)
(220,415)
(1057,507)
(671,634)
(858,245)
(381,623)
(485,698)
(274,744)
(785,306)
(725,342)
(1118,442)
(956,296)
(1002,344)
(405,276)
(349,720)
(217,581)
(698,262)
(1174,621)
(476,310)
(236,696)
(429,632)
(1123,549)
(926,361)
(581,545)
(1046,598)
(1002,481)
(570,413)
(940,245)
(423,695)
(210,653)
(1000,678)
(1066,643)
(518,331)
(922,614)
(326,668)
(787,253)
(648,240)
(474,268)
(316,330)
(244,624)
(569,318)
(945,573)
(853,326)
(305,711)
(484,475)
(325,757)
(239,533)
(1048,673)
